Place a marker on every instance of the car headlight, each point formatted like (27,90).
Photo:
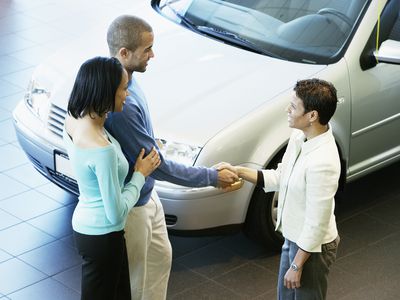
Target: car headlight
(37,100)
(182,153)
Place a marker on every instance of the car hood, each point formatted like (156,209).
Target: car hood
(195,86)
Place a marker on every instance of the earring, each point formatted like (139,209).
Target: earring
(310,123)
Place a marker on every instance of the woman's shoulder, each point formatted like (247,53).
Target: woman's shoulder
(84,136)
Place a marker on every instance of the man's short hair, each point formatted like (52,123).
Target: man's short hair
(319,95)
(126,32)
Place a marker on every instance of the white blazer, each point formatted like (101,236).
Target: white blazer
(307,180)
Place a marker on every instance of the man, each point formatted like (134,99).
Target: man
(130,40)
(307,181)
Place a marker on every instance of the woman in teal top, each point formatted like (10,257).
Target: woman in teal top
(100,168)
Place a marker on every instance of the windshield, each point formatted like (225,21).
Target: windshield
(308,31)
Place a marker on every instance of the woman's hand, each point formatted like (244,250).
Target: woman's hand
(147,164)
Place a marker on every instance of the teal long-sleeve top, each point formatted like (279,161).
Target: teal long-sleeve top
(104,200)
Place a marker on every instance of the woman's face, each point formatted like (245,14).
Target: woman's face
(296,116)
(122,92)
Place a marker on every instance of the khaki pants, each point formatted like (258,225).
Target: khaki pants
(149,251)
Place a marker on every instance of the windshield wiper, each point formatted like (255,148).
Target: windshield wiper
(188,23)
(234,38)
(222,34)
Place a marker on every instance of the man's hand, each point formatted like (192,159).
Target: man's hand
(224,165)
(226,178)
(292,278)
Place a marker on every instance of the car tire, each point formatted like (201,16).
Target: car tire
(262,213)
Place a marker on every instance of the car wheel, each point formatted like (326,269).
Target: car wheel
(262,214)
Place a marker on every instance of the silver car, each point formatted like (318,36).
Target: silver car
(218,88)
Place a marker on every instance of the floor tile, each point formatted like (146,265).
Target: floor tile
(5,114)
(27,175)
(16,22)
(32,56)
(248,280)
(211,261)
(242,246)
(209,290)
(268,261)
(183,245)
(10,101)
(69,240)
(387,212)
(15,275)
(11,157)
(22,238)
(7,89)
(42,34)
(52,258)
(10,187)
(71,278)
(341,283)
(4,256)
(365,229)
(183,279)
(53,191)
(7,220)
(11,43)
(49,12)
(56,223)
(270,295)
(349,246)
(370,293)
(6,9)
(19,78)
(8,130)
(46,289)
(377,265)
(29,205)
(24,5)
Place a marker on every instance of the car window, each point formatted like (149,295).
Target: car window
(308,31)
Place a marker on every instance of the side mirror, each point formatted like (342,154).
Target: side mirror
(389,52)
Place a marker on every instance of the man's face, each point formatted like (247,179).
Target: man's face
(297,118)
(137,60)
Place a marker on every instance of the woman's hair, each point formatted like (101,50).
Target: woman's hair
(95,87)
(319,95)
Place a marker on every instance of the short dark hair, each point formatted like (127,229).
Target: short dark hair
(319,95)
(126,32)
(95,87)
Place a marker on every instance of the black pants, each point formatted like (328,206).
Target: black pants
(105,270)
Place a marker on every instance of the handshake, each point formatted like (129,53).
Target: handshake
(228,177)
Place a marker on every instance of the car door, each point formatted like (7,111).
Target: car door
(375,115)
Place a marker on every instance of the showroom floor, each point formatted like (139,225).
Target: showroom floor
(37,255)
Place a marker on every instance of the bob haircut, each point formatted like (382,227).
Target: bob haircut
(319,95)
(95,87)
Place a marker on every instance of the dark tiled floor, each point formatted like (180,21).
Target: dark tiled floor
(37,255)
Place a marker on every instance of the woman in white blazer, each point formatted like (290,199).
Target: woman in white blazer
(307,180)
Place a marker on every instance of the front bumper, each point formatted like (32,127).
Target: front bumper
(197,209)
(40,151)
(186,209)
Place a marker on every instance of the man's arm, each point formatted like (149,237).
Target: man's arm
(129,129)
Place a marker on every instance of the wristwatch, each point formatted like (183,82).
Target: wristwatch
(294,267)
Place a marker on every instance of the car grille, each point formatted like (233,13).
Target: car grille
(171,219)
(67,183)
(56,120)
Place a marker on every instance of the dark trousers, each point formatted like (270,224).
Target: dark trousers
(105,270)
(314,277)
